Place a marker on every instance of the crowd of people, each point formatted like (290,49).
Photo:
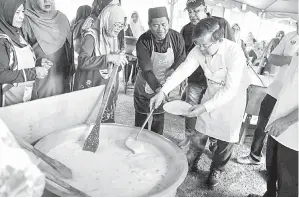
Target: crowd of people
(44,55)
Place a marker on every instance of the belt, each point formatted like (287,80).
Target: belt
(222,83)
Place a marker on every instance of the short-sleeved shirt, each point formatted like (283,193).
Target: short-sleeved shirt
(287,102)
(288,46)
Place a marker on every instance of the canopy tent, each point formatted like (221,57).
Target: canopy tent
(286,6)
(265,8)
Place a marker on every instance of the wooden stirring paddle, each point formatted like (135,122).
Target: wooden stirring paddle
(92,142)
(63,170)
(65,185)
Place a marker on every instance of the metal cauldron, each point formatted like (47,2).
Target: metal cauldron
(47,119)
(178,167)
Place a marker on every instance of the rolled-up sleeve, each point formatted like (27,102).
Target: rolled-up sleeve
(235,61)
(145,63)
(183,71)
(144,55)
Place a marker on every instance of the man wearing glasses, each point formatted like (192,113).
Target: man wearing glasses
(197,10)
(220,113)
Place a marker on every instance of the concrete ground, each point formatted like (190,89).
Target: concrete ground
(237,181)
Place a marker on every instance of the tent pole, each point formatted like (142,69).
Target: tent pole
(172,3)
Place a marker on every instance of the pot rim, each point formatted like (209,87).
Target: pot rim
(167,190)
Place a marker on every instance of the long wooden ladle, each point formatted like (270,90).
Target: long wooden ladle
(63,170)
(61,183)
(92,142)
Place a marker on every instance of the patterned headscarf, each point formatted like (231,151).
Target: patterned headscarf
(111,15)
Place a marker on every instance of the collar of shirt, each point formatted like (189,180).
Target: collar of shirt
(220,54)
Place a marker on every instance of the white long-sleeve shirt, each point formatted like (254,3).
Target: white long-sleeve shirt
(229,61)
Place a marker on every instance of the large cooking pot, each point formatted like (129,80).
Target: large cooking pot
(178,166)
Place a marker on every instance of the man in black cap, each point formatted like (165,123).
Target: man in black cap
(197,10)
(160,51)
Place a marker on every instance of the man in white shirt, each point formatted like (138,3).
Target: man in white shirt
(282,145)
(222,107)
(197,10)
(280,56)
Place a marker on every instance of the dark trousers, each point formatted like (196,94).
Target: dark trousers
(259,137)
(131,71)
(193,95)
(157,124)
(221,155)
(282,167)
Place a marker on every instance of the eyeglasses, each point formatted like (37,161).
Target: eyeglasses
(119,25)
(203,46)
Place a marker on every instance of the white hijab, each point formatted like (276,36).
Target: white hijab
(137,28)
(109,16)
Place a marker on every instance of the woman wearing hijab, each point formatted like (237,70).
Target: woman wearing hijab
(48,31)
(250,40)
(18,70)
(82,13)
(135,27)
(236,32)
(99,53)
(237,36)
(255,53)
(96,9)
(275,41)
(267,67)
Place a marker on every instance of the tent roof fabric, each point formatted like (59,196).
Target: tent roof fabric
(271,8)
(286,6)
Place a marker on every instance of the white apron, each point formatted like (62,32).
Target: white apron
(161,63)
(223,123)
(20,92)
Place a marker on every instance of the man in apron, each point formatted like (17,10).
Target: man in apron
(160,51)
(221,111)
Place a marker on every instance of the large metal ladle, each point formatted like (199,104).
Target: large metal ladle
(133,143)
